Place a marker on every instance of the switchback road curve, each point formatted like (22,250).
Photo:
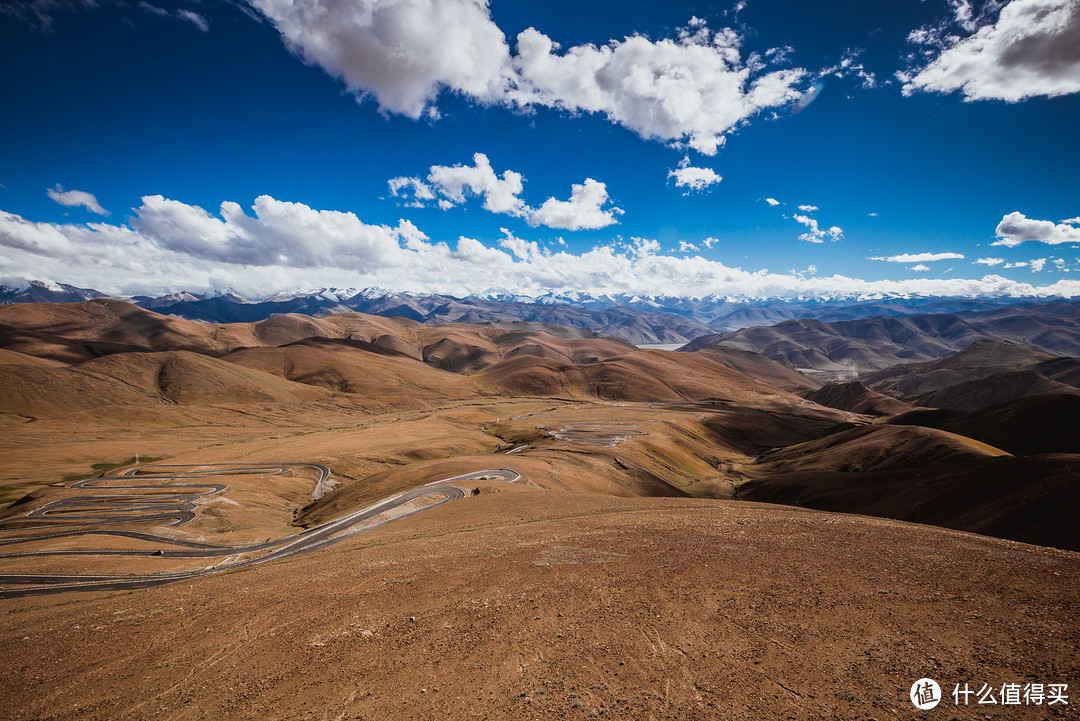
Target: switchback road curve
(141,505)
(176,501)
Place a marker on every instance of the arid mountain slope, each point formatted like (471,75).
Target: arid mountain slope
(641,375)
(72,332)
(112,326)
(875,448)
(857,345)
(760,367)
(14,358)
(383,378)
(1039,424)
(1029,499)
(137,382)
(992,391)
(979,360)
(857,398)
(869,344)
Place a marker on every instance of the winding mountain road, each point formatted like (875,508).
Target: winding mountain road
(152,502)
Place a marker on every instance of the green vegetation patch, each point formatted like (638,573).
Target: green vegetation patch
(100,469)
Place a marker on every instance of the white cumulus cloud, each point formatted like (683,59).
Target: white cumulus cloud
(990,261)
(772,201)
(920,268)
(1016,228)
(696,179)
(169,245)
(450,185)
(76,198)
(690,89)
(585,209)
(500,194)
(1032,49)
(413,188)
(401,52)
(280,233)
(815,234)
(808,208)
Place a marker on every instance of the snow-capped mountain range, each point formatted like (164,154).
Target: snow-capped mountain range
(636,318)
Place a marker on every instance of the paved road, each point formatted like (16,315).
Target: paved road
(596,431)
(143,506)
(168,504)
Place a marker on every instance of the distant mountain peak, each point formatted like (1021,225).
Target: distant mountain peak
(227,294)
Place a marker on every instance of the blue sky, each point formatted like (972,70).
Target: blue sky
(624,147)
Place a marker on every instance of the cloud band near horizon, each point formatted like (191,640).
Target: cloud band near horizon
(169,245)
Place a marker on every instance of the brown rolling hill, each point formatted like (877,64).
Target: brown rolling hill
(107,322)
(857,345)
(876,448)
(991,391)
(1062,370)
(386,364)
(14,358)
(104,326)
(465,349)
(73,332)
(760,367)
(1053,327)
(753,431)
(193,379)
(979,360)
(1033,499)
(30,391)
(54,347)
(869,344)
(383,378)
(126,382)
(856,397)
(1030,425)
(640,375)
